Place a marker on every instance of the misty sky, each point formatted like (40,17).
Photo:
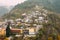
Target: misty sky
(10,2)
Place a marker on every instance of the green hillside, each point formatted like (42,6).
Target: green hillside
(51,28)
(53,5)
(29,5)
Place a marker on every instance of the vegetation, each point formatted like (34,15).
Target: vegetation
(8,31)
(50,29)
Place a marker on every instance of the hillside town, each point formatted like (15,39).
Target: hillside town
(26,27)
(29,19)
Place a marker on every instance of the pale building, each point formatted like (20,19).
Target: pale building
(41,18)
(31,31)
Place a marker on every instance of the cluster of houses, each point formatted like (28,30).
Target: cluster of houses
(28,26)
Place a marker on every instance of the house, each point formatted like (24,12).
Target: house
(2,32)
(16,31)
(41,18)
(1,23)
(31,32)
(18,20)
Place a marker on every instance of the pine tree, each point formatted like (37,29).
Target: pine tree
(8,32)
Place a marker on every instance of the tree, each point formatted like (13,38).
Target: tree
(8,31)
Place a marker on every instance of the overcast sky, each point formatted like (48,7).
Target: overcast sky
(10,2)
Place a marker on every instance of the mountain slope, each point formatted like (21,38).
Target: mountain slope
(3,10)
(53,5)
(29,5)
